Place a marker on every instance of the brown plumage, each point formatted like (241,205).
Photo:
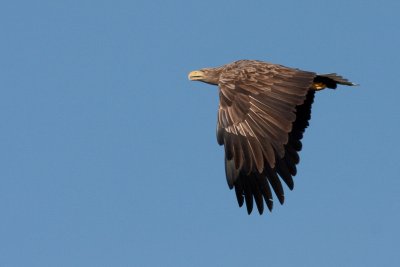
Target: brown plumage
(263,112)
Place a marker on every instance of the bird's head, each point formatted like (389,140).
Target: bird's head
(207,75)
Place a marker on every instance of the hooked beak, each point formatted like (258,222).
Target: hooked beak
(196,75)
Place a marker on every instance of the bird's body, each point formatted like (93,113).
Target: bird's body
(263,112)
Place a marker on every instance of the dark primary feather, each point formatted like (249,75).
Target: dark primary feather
(286,166)
(257,125)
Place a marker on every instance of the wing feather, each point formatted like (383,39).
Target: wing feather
(260,106)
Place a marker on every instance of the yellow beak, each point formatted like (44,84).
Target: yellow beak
(196,75)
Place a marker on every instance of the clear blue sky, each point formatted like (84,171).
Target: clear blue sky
(108,155)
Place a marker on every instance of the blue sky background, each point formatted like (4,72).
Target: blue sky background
(108,155)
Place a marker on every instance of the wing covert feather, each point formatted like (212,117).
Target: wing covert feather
(258,125)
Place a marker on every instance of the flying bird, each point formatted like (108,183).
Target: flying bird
(263,112)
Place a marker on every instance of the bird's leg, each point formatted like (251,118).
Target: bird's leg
(318,86)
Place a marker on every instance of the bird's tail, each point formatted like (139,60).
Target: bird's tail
(330,80)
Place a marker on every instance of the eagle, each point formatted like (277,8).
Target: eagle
(264,109)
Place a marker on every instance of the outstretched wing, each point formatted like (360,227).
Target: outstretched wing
(259,104)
